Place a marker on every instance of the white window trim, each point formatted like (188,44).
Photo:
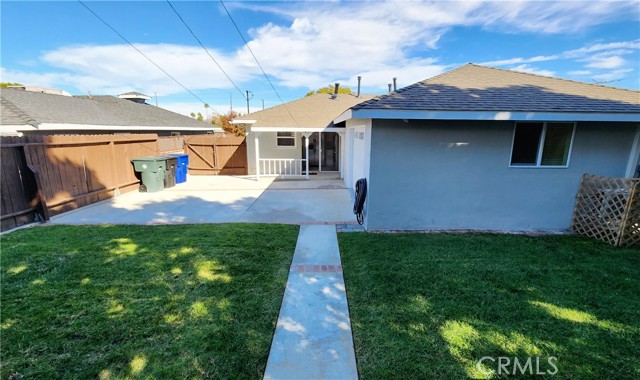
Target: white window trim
(538,164)
(295,142)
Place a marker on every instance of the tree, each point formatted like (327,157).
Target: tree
(200,117)
(193,115)
(7,84)
(224,121)
(329,90)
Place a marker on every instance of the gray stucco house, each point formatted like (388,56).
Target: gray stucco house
(488,149)
(37,110)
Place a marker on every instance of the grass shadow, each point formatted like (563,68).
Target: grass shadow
(433,305)
(187,301)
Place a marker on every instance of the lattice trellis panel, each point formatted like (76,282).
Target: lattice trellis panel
(608,209)
(173,144)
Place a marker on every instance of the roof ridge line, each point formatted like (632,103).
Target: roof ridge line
(541,76)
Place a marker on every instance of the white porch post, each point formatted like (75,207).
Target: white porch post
(320,152)
(306,148)
(341,155)
(257,144)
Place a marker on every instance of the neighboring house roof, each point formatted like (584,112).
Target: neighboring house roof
(133,95)
(486,92)
(47,111)
(309,112)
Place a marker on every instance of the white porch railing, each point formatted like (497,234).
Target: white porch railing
(282,167)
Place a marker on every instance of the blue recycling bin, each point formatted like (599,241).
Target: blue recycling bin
(181,167)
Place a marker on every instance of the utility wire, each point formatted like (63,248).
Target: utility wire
(144,55)
(205,49)
(256,59)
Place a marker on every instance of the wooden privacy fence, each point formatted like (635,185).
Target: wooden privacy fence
(49,175)
(608,209)
(214,154)
(44,176)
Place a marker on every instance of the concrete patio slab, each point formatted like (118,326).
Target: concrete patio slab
(224,199)
(313,334)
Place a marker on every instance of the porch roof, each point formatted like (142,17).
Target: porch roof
(310,114)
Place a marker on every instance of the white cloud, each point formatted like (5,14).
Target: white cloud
(533,70)
(600,62)
(580,72)
(581,52)
(611,76)
(326,42)
(513,61)
(185,108)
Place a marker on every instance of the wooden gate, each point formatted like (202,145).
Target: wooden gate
(214,154)
(21,202)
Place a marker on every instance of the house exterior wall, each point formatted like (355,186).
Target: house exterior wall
(269,149)
(456,175)
(356,158)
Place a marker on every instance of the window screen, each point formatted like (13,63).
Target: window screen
(557,140)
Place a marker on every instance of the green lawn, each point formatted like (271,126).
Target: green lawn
(165,302)
(432,305)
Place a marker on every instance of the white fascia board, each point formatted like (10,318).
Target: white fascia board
(487,115)
(239,121)
(295,129)
(75,127)
(15,130)
(346,115)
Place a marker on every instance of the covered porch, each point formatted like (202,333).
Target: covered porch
(288,152)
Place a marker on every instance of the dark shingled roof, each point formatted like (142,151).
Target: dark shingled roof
(478,88)
(21,107)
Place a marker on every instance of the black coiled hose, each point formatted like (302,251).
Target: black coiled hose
(361,195)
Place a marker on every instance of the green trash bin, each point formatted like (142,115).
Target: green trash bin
(151,171)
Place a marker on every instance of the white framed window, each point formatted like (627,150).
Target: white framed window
(286,139)
(542,144)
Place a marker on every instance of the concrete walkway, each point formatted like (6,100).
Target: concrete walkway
(313,335)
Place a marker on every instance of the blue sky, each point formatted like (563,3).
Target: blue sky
(305,45)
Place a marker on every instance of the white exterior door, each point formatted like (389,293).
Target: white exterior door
(357,156)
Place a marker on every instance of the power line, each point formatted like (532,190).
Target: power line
(205,49)
(144,55)
(256,59)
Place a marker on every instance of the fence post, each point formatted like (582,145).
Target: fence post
(112,164)
(257,146)
(625,215)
